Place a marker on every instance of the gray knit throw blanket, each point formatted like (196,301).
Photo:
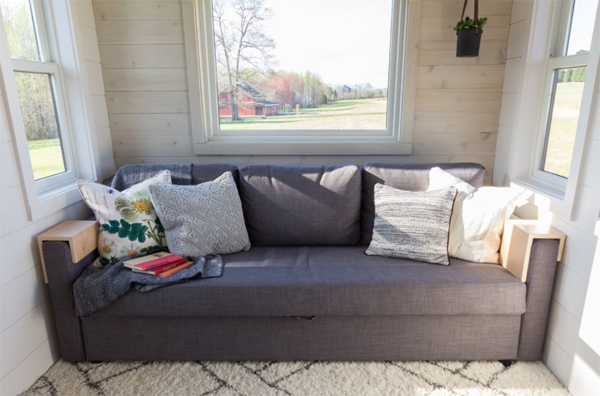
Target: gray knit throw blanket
(129,175)
(97,288)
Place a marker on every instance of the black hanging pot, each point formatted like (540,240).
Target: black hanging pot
(468,41)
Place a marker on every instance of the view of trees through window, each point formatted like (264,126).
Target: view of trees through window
(563,120)
(283,65)
(36,93)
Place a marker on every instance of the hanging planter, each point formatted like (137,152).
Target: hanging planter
(468,32)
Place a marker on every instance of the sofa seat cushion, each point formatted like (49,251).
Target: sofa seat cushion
(333,281)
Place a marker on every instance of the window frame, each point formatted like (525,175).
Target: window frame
(49,64)
(202,81)
(544,41)
(61,19)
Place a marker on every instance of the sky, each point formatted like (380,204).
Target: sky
(344,41)
(582,25)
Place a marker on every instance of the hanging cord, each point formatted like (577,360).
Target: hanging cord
(476,15)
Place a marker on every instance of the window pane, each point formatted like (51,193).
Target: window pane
(564,116)
(302,64)
(20,31)
(582,26)
(41,124)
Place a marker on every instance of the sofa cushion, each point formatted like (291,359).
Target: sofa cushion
(301,206)
(333,281)
(203,219)
(409,177)
(202,173)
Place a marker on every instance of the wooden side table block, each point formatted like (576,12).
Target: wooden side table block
(517,241)
(82,236)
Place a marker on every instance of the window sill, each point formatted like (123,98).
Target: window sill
(55,200)
(240,147)
(558,204)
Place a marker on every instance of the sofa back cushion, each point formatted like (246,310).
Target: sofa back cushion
(202,173)
(409,177)
(304,205)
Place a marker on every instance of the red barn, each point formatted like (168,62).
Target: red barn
(250,103)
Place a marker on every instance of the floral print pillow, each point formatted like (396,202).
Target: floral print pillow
(129,225)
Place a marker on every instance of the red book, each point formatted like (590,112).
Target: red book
(151,261)
(175,270)
(162,268)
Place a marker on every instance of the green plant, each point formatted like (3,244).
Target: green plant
(469,23)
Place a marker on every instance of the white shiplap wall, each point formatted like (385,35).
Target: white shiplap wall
(27,334)
(572,349)
(143,62)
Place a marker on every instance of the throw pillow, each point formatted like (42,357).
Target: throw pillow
(478,218)
(412,225)
(128,222)
(203,219)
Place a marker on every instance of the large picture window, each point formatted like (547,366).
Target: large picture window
(37,78)
(565,81)
(276,72)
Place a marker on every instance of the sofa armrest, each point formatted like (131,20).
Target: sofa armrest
(81,236)
(531,252)
(517,243)
(66,251)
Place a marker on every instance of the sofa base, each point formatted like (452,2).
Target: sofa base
(493,337)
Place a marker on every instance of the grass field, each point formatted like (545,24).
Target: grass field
(561,139)
(46,157)
(346,114)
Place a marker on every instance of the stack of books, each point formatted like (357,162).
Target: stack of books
(160,264)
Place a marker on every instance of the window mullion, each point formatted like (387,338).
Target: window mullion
(28,66)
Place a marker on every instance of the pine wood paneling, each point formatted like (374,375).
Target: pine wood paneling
(454,8)
(114,10)
(145,56)
(450,122)
(489,77)
(150,124)
(494,53)
(462,142)
(135,145)
(147,102)
(458,100)
(145,80)
(140,32)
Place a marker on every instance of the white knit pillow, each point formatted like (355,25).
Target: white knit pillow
(478,218)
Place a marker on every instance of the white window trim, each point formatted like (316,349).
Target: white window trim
(207,139)
(64,31)
(534,112)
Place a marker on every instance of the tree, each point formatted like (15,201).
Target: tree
(241,43)
(282,92)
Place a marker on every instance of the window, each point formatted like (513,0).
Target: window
(565,81)
(290,77)
(38,82)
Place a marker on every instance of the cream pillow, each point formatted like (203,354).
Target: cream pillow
(478,218)
(128,222)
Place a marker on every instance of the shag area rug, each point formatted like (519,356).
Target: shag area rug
(298,378)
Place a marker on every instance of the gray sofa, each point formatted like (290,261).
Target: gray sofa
(307,291)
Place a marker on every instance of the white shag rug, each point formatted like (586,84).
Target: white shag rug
(298,378)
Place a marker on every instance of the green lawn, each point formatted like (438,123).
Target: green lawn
(46,157)
(561,139)
(344,114)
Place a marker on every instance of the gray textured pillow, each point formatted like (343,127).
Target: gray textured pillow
(203,219)
(412,225)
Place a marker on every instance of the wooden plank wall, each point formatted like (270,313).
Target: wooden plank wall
(143,63)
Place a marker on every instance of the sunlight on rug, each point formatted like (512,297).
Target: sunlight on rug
(298,378)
